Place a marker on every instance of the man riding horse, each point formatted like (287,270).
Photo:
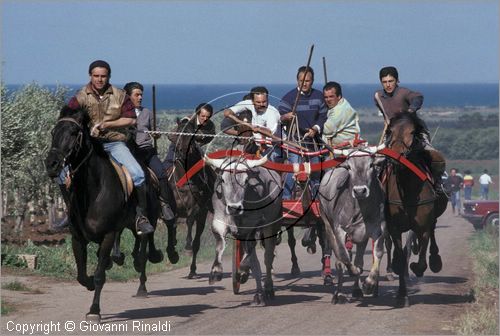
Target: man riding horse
(393,100)
(111,113)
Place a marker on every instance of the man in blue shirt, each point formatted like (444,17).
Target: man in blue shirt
(310,113)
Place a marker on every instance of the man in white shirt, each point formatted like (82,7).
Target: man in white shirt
(484,181)
(265,117)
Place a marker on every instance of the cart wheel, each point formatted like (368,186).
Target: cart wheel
(237,255)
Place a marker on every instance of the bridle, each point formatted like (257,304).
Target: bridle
(74,148)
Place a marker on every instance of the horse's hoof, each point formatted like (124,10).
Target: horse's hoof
(402,302)
(243,277)
(173,256)
(214,277)
(192,275)
(328,280)
(141,293)
(339,299)
(311,249)
(93,318)
(269,294)
(258,300)
(416,270)
(295,271)
(155,257)
(119,259)
(357,293)
(435,263)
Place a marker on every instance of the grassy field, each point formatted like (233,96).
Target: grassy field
(58,261)
(482,317)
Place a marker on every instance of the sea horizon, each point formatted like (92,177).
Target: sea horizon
(188,96)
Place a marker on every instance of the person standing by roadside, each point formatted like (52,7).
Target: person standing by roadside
(485,181)
(468,184)
(455,183)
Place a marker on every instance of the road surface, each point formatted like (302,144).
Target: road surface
(302,306)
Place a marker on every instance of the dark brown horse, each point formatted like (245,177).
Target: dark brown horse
(98,208)
(412,204)
(194,198)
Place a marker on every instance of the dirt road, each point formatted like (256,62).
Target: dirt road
(176,305)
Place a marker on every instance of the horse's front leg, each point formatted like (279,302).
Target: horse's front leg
(117,256)
(105,248)
(202,217)
(80,253)
(219,231)
(435,262)
(420,267)
(295,271)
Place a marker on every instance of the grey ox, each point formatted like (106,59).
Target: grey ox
(247,203)
(352,203)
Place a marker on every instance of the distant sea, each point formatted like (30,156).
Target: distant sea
(188,96)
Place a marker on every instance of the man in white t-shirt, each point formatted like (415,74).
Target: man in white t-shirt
(265,117)
(485,181)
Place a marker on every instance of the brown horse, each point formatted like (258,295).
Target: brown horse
(412,204)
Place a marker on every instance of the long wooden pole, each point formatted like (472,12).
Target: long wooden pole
(154,114)
(324,70)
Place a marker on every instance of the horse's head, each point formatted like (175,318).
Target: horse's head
(243,130)
(403,133)
(187,150)
(232,180)
(67,139)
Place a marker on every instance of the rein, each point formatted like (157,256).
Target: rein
(77,145)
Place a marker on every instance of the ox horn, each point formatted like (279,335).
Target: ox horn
(257,163)
(344,152)
(375,149)
(215,163)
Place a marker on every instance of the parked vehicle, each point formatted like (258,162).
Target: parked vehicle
(481,213)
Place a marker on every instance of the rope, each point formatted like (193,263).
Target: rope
(198,134)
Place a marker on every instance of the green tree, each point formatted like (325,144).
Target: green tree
(28,115)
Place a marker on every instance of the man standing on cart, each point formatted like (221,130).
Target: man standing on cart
(310,113)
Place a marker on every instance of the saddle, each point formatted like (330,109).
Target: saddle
(126,179)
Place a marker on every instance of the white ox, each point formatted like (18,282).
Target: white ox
(352,203)
(247,203)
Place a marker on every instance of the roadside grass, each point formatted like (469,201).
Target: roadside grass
(58,261)
(16,286)
(482,317)
(6,308)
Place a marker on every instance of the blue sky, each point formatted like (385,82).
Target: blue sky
(170,42)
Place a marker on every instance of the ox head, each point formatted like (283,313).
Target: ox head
(361,165)
(232,179)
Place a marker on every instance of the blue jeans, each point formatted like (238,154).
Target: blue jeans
(120,152)
(455,200)
(289,185)
(484,191)
(467,193)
